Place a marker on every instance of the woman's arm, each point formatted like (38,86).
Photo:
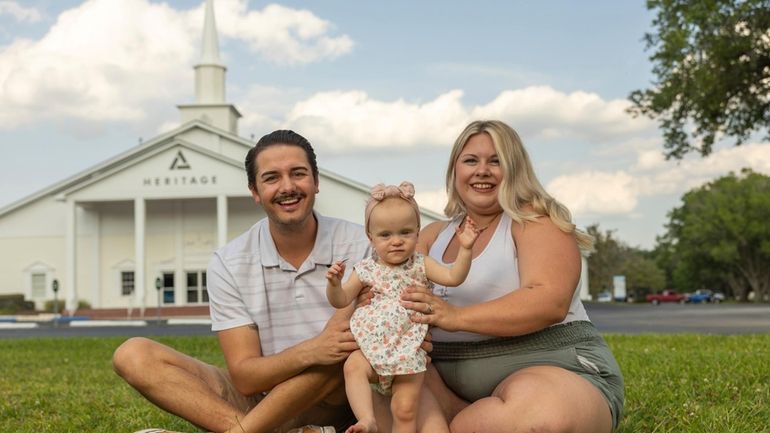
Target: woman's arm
(549,270)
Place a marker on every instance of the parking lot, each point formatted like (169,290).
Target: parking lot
(678,318)
(724,319)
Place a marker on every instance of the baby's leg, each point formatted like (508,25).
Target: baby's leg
(358,373)
(405,402)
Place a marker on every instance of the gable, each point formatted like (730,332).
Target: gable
(176,170)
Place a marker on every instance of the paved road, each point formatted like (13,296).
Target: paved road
(725,319)
(609,318)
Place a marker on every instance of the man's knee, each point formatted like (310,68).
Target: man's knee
(133,357)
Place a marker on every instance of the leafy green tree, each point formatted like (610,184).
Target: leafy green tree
(711,60)
(643,275)
(605,261)
(612,256)
(720,236)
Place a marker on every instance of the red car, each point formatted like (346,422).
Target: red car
(666,296)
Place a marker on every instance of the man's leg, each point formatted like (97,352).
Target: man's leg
(177,383)
(199,393)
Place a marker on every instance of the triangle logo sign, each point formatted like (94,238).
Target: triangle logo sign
(179,162)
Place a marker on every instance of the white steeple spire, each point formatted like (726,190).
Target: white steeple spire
(210,106)
(210,54)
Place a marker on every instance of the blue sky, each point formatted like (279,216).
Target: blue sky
(380,88)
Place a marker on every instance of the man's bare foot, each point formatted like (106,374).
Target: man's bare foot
(363,426)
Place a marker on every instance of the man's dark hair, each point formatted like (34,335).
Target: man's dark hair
(282,136)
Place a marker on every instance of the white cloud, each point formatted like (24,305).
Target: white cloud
(677,177)
(593,192)
(543,112)
(352,119)
(613,193)
(280,34)
(342,120)
(120,61)
(20,13)
(100,61)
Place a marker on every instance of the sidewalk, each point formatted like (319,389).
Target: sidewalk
(83,321)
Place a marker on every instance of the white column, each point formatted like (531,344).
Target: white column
(70,259)
(96,263)
(221,220)
(585,293)
(139,222)
(180,283)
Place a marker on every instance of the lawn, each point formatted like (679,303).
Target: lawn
(674,383)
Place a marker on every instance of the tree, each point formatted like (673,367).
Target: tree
(720,236)
(613,257)
(605,261)
(711,59)
(643,275)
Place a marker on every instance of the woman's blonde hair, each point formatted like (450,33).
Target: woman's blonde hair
(519,186)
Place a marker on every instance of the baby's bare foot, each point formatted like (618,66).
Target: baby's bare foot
(363,426)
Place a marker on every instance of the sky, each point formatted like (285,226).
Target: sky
(381,89)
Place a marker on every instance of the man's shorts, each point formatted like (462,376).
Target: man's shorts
(339,416)
(474,369)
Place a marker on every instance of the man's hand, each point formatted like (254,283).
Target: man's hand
(364,297)
(335,343)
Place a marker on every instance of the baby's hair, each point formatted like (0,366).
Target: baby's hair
(380,192)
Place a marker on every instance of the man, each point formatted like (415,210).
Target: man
(268,306)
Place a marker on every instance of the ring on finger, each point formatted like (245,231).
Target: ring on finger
(430,308)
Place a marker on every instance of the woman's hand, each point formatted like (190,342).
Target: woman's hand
(435,311)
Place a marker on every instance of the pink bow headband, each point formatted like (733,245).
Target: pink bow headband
(380,192)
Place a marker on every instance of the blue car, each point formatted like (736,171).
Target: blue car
(705,296)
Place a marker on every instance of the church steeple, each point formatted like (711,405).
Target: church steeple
(210,105)
(210,40)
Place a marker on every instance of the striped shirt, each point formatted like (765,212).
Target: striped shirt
(249,282)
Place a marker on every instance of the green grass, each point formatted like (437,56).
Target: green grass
(674,383)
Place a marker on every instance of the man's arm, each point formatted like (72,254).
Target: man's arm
(252,373)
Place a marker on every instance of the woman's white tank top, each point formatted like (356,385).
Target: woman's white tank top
(494,273)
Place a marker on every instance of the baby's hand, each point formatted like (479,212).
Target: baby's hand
(335,272)
(468,234)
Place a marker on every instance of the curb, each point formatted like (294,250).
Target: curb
(14,325)
(32,322)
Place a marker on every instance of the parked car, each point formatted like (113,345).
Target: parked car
(604,297)
(704,296)
(666,296)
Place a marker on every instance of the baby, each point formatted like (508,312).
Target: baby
(390,357)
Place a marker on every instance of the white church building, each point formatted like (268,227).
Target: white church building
(151,215)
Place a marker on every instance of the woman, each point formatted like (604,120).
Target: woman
(513,345)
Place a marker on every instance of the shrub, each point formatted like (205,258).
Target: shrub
(48,307)
(15,303)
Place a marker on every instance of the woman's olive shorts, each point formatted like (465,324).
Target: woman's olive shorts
(473,369)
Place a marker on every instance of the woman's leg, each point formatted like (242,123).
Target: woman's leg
(358,374)
(430,417)
(449,403)
(543,399)
(405,401)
